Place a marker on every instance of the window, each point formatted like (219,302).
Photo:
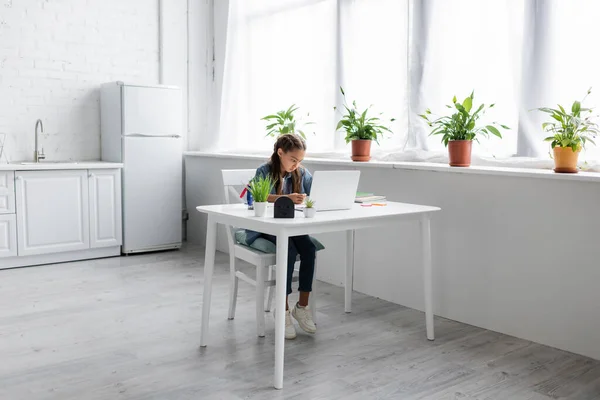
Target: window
(567,59)
(373,65)
(278,54)
(469,45)
(403,56)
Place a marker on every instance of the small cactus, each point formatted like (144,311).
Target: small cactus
(310,203)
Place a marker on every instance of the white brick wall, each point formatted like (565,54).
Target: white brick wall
(54,54)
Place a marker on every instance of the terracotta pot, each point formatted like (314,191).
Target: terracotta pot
(565,160)
(459,152)
(361,150)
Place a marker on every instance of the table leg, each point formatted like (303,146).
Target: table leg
(349,270)
(427,275)
(280,294)
(209,265)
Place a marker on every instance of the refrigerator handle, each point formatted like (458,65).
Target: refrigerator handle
(150,136)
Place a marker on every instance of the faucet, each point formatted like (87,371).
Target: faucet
(37,156)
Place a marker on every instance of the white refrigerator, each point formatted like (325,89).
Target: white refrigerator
(141,127)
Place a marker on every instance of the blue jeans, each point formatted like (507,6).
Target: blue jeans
(303,246)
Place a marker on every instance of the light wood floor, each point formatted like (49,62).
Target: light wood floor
(128,328)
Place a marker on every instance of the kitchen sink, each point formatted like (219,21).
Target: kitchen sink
(47,162)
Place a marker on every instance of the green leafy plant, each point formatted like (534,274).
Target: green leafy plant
(358,125)
(570,129)
(462,124)
(285,121)
(310,203)
(260,188)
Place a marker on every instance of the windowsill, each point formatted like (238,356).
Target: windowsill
(419,166)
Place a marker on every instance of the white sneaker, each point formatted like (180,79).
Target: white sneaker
(304,318)
(290,329)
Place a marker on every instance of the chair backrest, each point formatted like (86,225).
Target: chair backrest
(234,179)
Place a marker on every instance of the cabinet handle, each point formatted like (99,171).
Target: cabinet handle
(20,178)
(91,175)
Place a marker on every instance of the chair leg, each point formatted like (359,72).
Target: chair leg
(260,301)
(233,287)
(270,290)
(312,300)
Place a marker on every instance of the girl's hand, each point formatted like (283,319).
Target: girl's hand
(297,198)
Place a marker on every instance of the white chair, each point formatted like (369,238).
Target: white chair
(232,180)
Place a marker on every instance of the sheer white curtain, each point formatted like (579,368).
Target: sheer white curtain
(466,45)
(300,52)
(571,60)
(517,54)
(374,62)
(278,53)
(403,56)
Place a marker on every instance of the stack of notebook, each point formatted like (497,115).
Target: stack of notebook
(362,197)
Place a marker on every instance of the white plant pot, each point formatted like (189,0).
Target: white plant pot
(260,209)
(310,212)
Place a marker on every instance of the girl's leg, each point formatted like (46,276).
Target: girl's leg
(307,250)
(292,254)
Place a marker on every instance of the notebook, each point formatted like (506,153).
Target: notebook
(365,197)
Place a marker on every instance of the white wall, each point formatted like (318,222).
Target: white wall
(53,56)
(517,255)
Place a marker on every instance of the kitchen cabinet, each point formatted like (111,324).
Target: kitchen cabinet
(57,212)
(7,192)
(8,235)
(52,211)
(105,208)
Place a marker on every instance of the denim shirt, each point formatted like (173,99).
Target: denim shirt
(305,180)
(305,185)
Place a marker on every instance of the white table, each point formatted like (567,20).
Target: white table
(328,221)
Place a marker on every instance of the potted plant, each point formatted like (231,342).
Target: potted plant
(360,129)
(570,133)
(285,121)
(260,188)
(309,210)
(460,129)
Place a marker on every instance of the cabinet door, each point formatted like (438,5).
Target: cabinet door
(7,192)
(8,235)
(105,208)
(52,211)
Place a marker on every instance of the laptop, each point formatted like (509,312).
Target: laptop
(334,190)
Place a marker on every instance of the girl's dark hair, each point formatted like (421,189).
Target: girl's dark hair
(287,142)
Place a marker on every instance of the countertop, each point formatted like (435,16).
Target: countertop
(52,165)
